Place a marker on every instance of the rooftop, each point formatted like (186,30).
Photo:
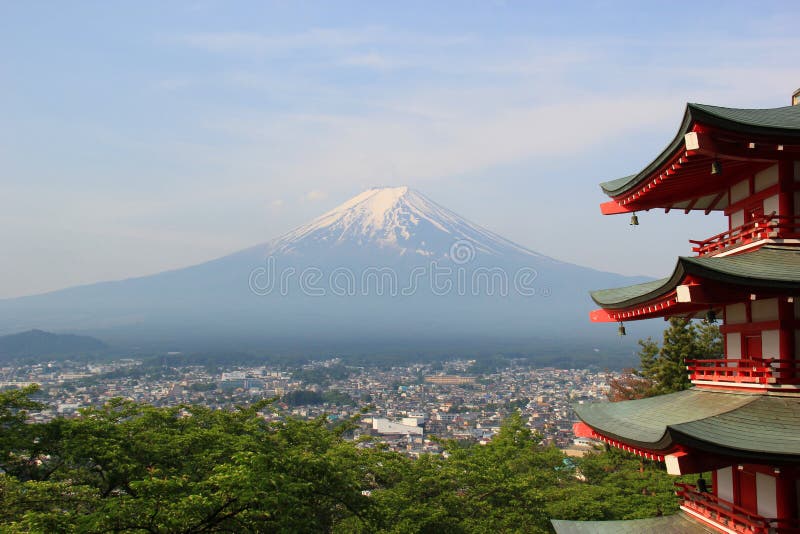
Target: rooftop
(772,267)
(783,122)
(669,524)
(762,426)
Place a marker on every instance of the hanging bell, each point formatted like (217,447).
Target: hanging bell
(711,317)
(634,219)
(716,167)
(621,329)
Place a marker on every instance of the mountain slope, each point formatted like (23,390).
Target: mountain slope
(396,218)
(388,264)
(39,343)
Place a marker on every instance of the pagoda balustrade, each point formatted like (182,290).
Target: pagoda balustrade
(764,227)
(730,516)
(763,371)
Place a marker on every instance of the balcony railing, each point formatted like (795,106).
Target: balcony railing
(763,227)
(730,516)
(763,371)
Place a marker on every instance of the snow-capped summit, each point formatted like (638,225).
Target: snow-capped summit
(397,218)
(387,264)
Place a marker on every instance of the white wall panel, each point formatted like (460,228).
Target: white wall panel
(725,483)
(766,496)
(740,191)
(766,178)
(771,344)
(764,310)
(734,345)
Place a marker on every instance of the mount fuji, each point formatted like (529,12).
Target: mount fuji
(389,267)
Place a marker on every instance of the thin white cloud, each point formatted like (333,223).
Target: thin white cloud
(371,60)
(314,38)
(315,195)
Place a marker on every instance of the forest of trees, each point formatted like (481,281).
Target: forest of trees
(127,467)
(135,468)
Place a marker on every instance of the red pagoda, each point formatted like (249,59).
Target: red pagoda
(741,418)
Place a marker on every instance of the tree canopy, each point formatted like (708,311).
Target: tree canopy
(127,467)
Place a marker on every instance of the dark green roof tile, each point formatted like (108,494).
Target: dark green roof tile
(768,423)
(756,424)
(769,263)
(613,296)
(645,421)
(783,121)
(668,524)
(768,267)
(784,118)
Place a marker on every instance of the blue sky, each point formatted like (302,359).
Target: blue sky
(144,136)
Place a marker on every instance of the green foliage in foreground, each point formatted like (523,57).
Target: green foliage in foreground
(128,467)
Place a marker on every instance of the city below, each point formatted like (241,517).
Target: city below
(408,407)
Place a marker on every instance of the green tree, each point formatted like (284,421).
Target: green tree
(709,341)
(615,485)
(501,486)
(668,369)
(663,367)
(127,467)
(19,446)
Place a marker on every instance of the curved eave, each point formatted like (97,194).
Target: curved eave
(783,123)
(626,297)
(769,267)
(762,427)
(668,524)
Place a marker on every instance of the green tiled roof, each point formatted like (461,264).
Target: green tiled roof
(668,524)
(769,424)
(645,421)
(609,297)
(783,121)
(741,423)
(770,266)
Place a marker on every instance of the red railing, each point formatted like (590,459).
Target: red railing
(733,517)
(763,371)
(763,227)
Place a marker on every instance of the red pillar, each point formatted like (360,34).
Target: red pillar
(786,192)
(785,497)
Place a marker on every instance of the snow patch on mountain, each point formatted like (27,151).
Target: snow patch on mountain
(398,218)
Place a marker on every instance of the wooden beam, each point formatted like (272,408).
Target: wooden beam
(685,462)
(601,316)
(692,293)
(612,207)
(752,198)
(704,144)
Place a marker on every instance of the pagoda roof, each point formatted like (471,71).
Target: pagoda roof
(781,123)
(755,426)
(668,524)
(770,266)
